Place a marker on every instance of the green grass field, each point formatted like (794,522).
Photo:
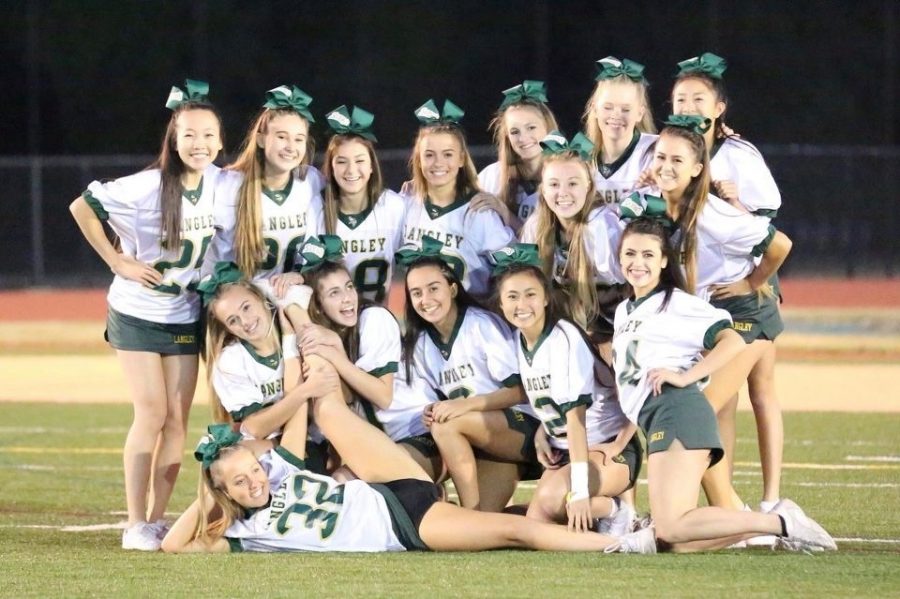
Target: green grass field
(60,467)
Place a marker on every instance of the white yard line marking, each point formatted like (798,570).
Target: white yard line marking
(849,485)
(873,458)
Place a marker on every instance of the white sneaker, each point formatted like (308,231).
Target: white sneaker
(761,540)
(767,506)
(642,541)
(618,524)
(161,527)
(141,537)
(803,533)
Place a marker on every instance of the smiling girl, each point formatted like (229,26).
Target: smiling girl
(521,122)
(444,184)
(588,449)
(619,123)
(466,355)
(358,209)
(163,218)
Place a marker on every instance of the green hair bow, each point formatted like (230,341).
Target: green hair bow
(225,272)
(536,91)
(610,67)
(693,123)
(706,64)
(431,248)
(556,143)
(358,122)
(290,97)
(639,205)
(518,254)
(194,91)
(428,113)
(316,251)
(217,438)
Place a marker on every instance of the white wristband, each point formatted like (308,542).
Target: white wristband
(578,472)
(289,347)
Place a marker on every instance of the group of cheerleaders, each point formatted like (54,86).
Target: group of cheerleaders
(573,293)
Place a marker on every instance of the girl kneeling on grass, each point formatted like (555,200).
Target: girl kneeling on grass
(269,502)
(588,447)
(660,333)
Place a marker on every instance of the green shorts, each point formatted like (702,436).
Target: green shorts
(528,426)
(683,414)
(424,444)
(755,316)
(632,456)
(134,334)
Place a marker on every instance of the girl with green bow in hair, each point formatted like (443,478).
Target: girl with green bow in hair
(483,426)
(740,177)
(521,122)
(249,343)
(588,449)
(720,245)
(270,199)
(619,123)
(361,340)
(576,233)
(270,502)
(662,331)
(163,218)
(444,187)
(358,209)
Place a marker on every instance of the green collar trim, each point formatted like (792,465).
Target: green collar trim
(270,361)
(633,305)
(607,170)
(447,348)
(279,195)
(439,211)
(529,355)
(193,195)
(354,220)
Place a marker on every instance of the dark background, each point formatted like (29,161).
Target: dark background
(814,84)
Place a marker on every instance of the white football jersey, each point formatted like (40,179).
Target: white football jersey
(559,374)
(604,230)
(479,358)
(728,241)
(617,180)
(469,236)
(526,200)
(130,205)
(289,216)
(739,161)
(646,338)
(246,382)
(370,240)
(312,512)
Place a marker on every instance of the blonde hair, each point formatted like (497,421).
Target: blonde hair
(507,158)
(580,294)
(592,128)
(374,187)
(249,245)
(225,510)
(217,337)
(466,178)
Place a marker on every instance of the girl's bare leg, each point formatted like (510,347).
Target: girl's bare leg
(769,423)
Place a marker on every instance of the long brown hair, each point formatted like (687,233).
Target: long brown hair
(466,178)
(171,168)
(592,128)
(374,187)
(225,510)
(507,159)
(580,294)
(249,245)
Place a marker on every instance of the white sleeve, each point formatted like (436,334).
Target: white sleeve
(699,318)
(529,230)
(487,232)
(605,229)
(757,189)
(239,395)
(118,202)
(739,233)
(572,368)
(379,342)
(498,345)
(489,178)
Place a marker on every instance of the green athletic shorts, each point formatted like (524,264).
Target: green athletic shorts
(683,414)
(134,334)
(755,316)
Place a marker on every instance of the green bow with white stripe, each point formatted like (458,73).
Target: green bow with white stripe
(292,98)
(356,122)
(518,254)
(224,273)
(316,251)
(556,143)
(194,91)
(428,113)
(528,90)
(611,67)
(218,437)
(693,123)
(431,248)
(706,64)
